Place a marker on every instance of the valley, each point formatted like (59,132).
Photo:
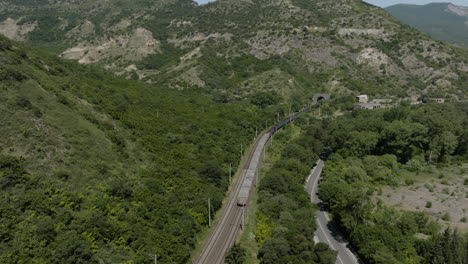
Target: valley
(124,122)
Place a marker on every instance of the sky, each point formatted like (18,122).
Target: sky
(384,3)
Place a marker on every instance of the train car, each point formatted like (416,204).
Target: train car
(251,172)
(244,192)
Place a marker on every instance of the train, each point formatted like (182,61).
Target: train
(251,173)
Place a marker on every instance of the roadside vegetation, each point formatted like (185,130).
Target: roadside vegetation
(391,148)
(284,217)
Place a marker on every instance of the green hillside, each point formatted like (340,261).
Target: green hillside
(98,169)
(113,160)
(436,20)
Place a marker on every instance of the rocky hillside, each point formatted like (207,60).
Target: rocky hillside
(233,48)
(443,21)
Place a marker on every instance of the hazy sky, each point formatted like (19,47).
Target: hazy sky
(384,3)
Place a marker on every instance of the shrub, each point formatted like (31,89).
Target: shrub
(11,75)
(23,102)
(409,181)
(446,217)
(235,255)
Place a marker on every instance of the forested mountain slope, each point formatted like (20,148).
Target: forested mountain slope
(442,21)
(234,49)
(97,169)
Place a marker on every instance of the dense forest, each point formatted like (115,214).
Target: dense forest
(94,168)
(372,149)
(368,150)
(285,226)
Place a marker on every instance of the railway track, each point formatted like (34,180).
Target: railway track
(228,228)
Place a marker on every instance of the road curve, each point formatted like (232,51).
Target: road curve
(228,228)
(326,231)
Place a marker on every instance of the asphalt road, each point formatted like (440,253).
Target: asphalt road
(326,232)
(229,226)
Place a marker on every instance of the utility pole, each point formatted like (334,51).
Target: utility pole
(256,132)
(242,224)
(257,175)
(264,152)
(277,117)
(230,173)
(155,256)
(242,151)
(209,212)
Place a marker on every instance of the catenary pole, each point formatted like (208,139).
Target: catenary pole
(209,212)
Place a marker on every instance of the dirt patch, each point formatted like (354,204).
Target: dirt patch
(130,47)
(124,24)
(200,37)
(267,44)
(13,31)
(367,32)
(372,57)
(445,201)
(192,76)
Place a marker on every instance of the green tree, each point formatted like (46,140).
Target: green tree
(361,143)
(72,249)
(324,254)
(403,139)
(442,146)
(235,255)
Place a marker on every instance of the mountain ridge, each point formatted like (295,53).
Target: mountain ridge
(443,21)
(318,46)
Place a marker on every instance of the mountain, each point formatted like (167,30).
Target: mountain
(443,21)
(95,168)
(99,169)
(234,49)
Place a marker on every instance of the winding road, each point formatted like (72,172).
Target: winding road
(326,231)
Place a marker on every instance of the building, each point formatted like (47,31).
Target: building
(368,106)
(439,100)
(362,98)
(381,101)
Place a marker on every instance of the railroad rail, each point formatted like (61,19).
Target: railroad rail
(229,227)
